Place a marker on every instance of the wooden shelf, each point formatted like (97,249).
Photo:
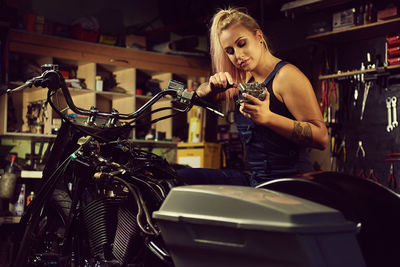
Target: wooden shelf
(379,28)
(63,48)
(350,73)
(9,219)
(77,91)
(29,135)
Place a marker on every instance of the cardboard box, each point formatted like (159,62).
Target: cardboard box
(199,155)
(387,13)
(196,120)
(343,19)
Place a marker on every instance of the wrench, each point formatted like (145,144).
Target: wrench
(389,127)
(394,107)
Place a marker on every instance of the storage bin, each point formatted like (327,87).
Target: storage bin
(212,225)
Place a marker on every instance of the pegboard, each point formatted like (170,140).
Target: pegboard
(371,130)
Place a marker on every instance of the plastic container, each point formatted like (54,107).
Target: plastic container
(99,84)
(393,51)
(394,61)
(19,207)
(393,40)
(7,185)
(211,225)
(8,181)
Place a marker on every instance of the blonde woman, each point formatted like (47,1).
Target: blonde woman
(277,132)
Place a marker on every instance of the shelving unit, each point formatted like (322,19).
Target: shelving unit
(358,32)
(122,62)
(351,73)
(336,37)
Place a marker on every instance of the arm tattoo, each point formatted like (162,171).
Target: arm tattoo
(302,134)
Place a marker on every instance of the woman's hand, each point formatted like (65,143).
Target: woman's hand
(258,111)
(217,83)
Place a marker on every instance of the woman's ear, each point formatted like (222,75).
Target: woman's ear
(259,35)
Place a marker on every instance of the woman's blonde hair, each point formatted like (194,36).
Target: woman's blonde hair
(222,20)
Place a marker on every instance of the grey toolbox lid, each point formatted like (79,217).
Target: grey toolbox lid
(249,208)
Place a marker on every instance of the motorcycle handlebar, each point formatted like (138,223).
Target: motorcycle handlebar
(53,80)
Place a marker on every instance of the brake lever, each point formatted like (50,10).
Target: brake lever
(190,98)
(27,84)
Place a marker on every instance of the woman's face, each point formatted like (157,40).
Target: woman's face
(242,46)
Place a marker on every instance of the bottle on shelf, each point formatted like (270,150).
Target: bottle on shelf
(19,206)
(99,84)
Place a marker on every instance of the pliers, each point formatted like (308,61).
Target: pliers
(391,179)
(324,97)
(360,149)
(332,89)
(372,176)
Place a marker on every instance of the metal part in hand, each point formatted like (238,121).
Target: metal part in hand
(255,89)
(389,127)
(394,107)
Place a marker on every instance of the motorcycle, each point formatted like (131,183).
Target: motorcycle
(99,189)
(104,202)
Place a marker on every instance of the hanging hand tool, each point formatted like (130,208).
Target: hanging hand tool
(342,150)
(356,88)
(393,100)
(372,176)
(389,126)
(360,149)
(333,150)
(328,88)
(332,89)
(391,180)
(324,98)
(367,85)
(392,183)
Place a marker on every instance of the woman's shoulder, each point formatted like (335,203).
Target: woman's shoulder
(288,73)
(288,78)
(288,68)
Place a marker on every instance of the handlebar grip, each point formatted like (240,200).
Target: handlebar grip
(228,85)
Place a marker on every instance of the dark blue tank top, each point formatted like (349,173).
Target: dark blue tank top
(270,155)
